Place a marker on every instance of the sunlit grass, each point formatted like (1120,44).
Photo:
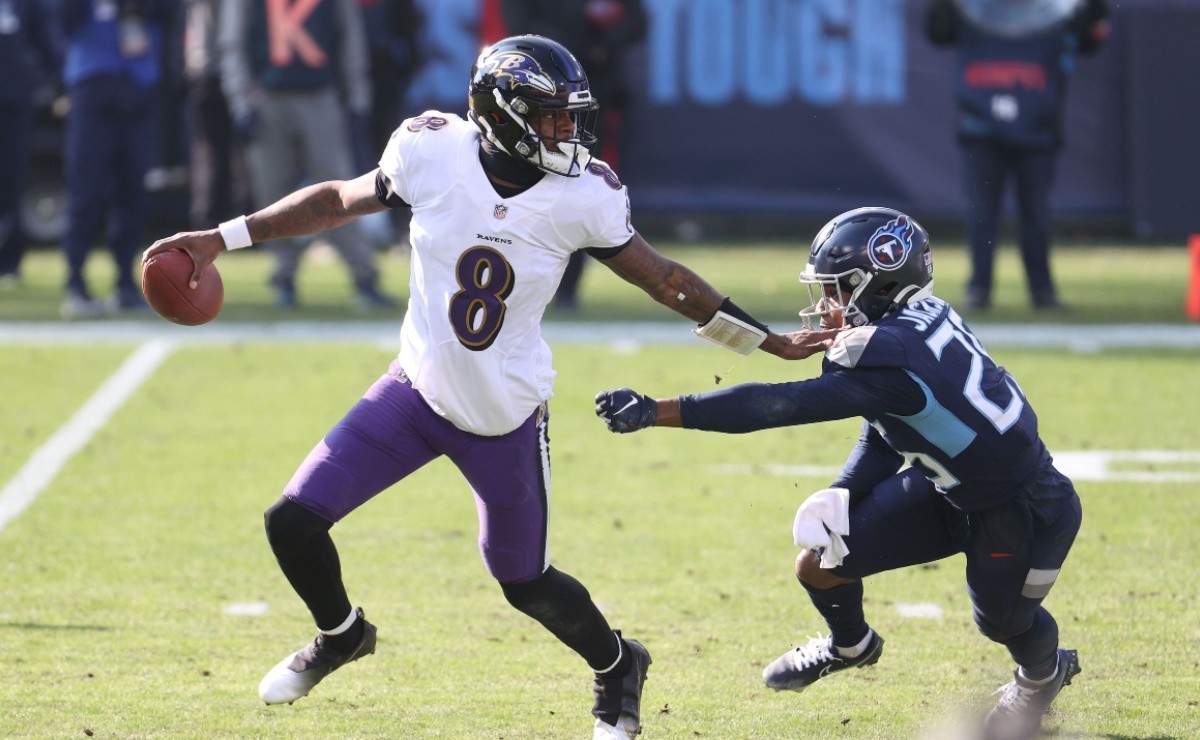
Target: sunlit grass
(1102,284)
(116,578)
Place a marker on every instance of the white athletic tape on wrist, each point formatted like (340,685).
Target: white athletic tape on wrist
(235,233)
(732,333)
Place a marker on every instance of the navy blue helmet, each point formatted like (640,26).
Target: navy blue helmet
(880,256)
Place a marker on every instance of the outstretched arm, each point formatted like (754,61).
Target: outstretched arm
(749,407)
(682,290)
(309,210)
(668,282)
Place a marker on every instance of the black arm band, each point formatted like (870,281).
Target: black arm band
(733,310)
(385,194)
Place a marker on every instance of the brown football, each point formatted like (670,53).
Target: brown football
(165,279)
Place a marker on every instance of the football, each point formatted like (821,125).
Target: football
(165,279)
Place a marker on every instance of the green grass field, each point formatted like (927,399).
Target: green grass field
(116,578)
(1103,283)
(125,582)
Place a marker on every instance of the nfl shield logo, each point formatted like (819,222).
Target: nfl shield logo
(500,211)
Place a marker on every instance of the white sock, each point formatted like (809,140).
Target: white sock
(615,663)
(343,626)
(1038,681)
(857,650)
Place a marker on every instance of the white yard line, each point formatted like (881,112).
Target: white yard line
(70,438)
(1077,338)
(1095,466)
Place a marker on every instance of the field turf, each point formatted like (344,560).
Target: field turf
(140,598)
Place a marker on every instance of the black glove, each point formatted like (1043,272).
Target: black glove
(625,410)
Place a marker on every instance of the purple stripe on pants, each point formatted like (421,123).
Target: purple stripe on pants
(392,432)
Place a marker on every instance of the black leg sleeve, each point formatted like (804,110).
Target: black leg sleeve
(563,606)
(305,551)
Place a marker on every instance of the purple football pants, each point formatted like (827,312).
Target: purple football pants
(391,432)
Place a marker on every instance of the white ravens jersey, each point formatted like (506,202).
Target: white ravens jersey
(484,269)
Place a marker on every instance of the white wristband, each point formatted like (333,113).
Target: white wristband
(235,233)
(732,333)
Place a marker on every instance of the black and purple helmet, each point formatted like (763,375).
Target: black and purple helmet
(515,80)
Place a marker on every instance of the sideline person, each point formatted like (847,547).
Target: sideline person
(286,70)
(112,72)
(1013,61)
(27,48)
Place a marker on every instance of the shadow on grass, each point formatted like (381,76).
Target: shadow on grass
(55,627)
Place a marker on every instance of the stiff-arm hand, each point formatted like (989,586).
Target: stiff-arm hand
(800,344)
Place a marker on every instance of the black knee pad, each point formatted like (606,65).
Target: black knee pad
(549,597)
(289,524)
(1033,643)
(999,630)
(529,595)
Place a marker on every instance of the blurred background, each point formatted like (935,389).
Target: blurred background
(738,118)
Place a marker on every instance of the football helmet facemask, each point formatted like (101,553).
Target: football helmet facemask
(516,80)
(879,256)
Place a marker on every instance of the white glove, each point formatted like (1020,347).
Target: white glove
(821,523)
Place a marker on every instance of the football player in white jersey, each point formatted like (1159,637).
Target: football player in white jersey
(499,202)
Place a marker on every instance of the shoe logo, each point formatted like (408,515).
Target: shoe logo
(825,671)
(1002,555)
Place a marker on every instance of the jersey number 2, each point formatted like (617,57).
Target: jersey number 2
(477,310)
(1001,417)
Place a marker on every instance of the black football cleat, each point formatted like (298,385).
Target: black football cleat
(621,697)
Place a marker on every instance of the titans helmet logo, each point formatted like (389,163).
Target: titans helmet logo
(889,246)
(522,69)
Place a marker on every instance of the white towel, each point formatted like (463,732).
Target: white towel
(821,523)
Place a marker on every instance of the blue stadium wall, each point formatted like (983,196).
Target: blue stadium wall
(809,107)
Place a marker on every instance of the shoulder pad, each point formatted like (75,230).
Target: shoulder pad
(867,346)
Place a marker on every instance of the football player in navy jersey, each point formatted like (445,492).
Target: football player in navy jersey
(499,203)
(979,482)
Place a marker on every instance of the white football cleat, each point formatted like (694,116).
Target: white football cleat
(627,728)
(1018,713)
(294,676)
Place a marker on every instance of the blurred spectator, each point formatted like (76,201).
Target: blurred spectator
(1014,57)
(212,152)
(24,35)
(283,67)
(112,69)
(391,28)
(169,162)
(599,33)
